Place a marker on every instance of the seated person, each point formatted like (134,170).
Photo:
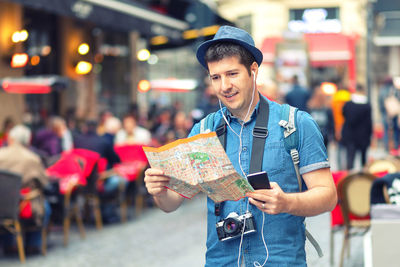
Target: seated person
(17,158)
(89,139)
(131,133)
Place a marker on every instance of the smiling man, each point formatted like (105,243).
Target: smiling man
(276,215)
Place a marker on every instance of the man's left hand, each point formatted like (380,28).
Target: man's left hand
(271,201)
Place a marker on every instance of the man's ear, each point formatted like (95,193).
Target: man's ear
(254,68)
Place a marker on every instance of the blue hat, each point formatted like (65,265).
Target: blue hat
(233,35)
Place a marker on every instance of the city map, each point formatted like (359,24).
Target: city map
(199,163)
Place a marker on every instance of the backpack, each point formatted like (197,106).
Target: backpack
(288,123)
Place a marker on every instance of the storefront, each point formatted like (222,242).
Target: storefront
(314,49)
(56,29)
(314,57)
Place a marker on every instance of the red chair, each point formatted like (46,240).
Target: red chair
(69,171)
(91,173)
(336,215)
(130,153)
(132,167)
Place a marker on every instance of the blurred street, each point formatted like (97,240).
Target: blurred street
(159,239)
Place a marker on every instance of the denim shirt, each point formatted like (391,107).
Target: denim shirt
(284,234)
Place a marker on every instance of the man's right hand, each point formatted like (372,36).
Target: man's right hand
(156,181)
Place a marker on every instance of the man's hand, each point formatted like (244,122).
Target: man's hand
(319,197)
(155,181)
(271,201)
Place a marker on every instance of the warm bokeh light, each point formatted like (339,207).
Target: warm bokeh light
(35,60)
(46,50)
(328,88)
(144,86)
(83,49)
(210,30)
(159,40)
(143,54)
(19,60)
(23,35)
(20,36)
(190,34)
(83,67)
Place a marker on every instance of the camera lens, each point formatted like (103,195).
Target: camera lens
(232,226)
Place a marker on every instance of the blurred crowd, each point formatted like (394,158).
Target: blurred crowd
(346,117)
(32,151)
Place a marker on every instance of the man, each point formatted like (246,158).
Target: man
(232,61)
(17,158)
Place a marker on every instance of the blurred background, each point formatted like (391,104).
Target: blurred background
(119,55)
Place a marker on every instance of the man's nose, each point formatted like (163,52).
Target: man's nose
(225,83)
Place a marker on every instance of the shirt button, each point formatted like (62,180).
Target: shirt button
(245,148)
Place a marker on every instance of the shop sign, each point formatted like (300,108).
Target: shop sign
(315,21)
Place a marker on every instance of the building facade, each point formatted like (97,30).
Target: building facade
(327,37)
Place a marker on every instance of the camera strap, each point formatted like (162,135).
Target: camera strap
(260,133)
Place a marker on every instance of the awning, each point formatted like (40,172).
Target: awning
(34,84)
(268,48)
(329,48)
(173,85)
(324,49)
(119,15)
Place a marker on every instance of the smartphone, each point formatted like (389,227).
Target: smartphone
(259,180)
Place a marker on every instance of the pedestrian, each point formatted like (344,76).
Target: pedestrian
(357,127)
(298,96)
(131,133)
(390,120)
(322,114)
(339,99)
(233,62)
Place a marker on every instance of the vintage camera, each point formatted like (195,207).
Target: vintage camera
(232,226)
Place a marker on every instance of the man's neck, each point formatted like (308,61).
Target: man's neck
(241,116)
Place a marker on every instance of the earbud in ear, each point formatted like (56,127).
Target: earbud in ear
(253,72)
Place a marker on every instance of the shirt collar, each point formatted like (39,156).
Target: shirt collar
(230,116)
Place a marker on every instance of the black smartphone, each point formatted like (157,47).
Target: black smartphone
(259,180)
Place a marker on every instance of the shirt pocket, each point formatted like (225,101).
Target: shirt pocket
(274,160)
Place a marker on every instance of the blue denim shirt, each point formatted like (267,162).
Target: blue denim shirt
(283,233)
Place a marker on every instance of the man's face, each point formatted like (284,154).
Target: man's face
(233,85)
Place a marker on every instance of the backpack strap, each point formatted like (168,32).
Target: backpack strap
(207,125)
(260,133)
(288,123)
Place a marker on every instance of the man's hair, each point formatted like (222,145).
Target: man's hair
(221,50)
(20,134)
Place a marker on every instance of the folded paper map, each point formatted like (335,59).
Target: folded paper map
(199,163)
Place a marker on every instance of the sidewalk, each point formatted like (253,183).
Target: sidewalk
(165,240)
